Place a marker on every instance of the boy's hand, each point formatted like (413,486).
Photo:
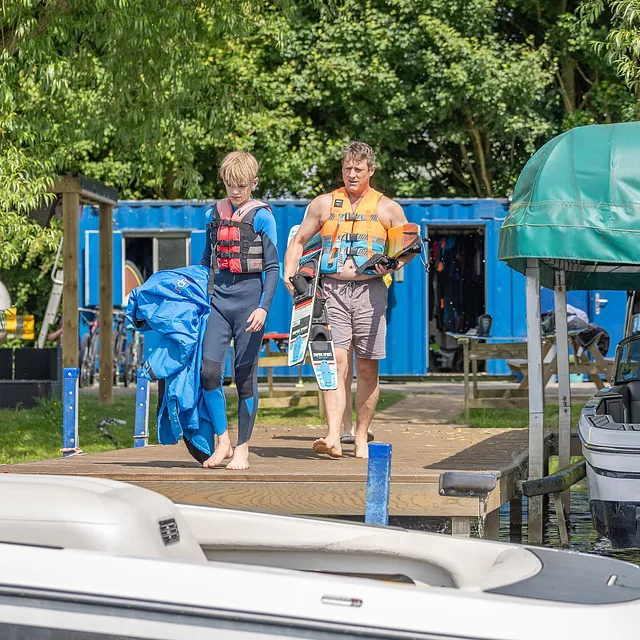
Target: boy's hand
(256,320)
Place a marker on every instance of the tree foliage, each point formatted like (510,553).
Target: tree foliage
(454,95)
(621,43)
(147,95)
(451,108)
(107,86)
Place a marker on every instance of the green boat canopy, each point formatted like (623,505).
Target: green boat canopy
(576,207)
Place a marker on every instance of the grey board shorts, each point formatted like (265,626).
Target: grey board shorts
(357,314)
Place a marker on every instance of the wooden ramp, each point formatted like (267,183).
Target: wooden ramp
(287,477)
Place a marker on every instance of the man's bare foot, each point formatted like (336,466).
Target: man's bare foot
(240,458)
(361,447)
(223,450)
(324,445)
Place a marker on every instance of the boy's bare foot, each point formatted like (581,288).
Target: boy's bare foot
(240,460)
(361,447)
(223,450)
(324,445)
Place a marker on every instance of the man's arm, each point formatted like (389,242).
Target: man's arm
(311,224)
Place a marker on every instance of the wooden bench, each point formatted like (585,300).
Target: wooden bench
(476,348)
(579,362)
(284,399)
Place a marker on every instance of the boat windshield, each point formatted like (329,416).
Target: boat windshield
(628,364)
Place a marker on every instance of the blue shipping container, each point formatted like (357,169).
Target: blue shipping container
(172,233)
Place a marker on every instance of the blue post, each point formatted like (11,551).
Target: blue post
(141,429)
(378,477)
(70,444)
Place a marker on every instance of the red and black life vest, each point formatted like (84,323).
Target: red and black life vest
(234,243)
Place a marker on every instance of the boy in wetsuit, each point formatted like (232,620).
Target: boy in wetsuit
(241,251)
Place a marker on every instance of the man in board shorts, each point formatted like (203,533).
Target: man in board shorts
(352,222)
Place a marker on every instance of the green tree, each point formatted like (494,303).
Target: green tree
(451,107)
(619,41)
(455,96)
(107,86)
(585,90)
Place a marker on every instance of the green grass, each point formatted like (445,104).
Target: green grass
(35,434)
(296,416)
(515,418)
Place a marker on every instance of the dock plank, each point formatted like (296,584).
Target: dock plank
(287,476)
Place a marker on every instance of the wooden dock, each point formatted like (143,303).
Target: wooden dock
(287,477)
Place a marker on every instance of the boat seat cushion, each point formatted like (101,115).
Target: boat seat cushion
(633,401)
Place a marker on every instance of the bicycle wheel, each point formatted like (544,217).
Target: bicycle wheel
(84,360)
(132,361)
(119,356)
(129,371)
(93,356)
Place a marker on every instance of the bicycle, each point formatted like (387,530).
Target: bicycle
(133,358)
(127,355)
(89,349)
(119,340)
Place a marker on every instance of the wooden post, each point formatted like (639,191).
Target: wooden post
(492,525)
(564,384)
(461,526)
(536,398)
(562,522)
(106,304)
(515,519)
(465,365)
(474,368)
(70,204)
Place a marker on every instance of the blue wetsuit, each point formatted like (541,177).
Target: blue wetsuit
(235,297)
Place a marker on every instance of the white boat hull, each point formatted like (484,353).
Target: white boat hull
(613,474)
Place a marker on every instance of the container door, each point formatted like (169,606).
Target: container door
(92,268)
(608,310)
(170,252)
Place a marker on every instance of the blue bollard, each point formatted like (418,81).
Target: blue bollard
(141,428)
(70,444)
(378,479)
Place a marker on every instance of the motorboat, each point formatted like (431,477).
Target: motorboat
(609,430)
(94,558)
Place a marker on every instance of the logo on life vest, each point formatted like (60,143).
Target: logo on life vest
(337,204)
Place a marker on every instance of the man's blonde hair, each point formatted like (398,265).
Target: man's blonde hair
(238,168)
(359,151)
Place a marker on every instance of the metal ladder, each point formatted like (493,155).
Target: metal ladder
(54,300)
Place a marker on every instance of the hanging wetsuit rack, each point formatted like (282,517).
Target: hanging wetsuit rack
(437,230)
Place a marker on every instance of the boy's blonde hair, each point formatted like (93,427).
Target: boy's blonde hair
(238,168)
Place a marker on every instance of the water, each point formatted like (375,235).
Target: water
(582,535)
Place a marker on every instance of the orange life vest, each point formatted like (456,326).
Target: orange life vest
(347,233)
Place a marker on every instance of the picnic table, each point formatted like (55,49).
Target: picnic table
(477,347)
(279,358)
(585,360)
